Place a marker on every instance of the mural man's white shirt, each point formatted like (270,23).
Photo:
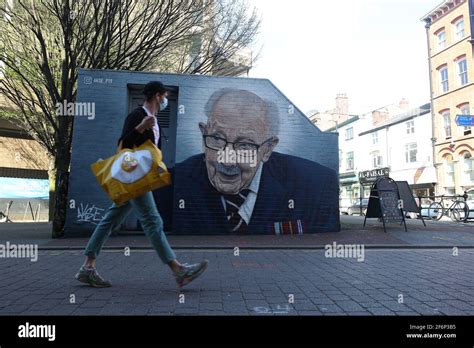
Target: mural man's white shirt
(246,209)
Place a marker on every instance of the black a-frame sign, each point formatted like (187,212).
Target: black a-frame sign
(385,202)
(409,204)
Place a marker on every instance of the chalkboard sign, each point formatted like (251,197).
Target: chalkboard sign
(373,207)
(385,202)
(390,206)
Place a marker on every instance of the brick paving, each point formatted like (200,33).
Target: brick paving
(257,282)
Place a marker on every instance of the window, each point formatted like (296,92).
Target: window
(465,110)
(375,138)
(349,133)
(443,77)
(459,29)
(446,124)
(462,71)
(410,127)
(350,161)
(377,160)
(410,153)
(450,191)
(441,39)
(468,168)
(449,171)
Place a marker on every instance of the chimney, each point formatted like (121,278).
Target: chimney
(404,104)
(341,111)
(342,104)
(379,116)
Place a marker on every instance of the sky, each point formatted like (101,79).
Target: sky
(375,51)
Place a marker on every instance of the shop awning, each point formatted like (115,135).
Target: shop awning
(348,181)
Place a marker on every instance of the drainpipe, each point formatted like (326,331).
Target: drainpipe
(471,11)
(433,138)
(387,149)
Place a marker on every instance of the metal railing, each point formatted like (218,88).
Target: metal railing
(35,213)
(454,209)
(441,199)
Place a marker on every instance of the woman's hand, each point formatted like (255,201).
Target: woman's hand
(147,122)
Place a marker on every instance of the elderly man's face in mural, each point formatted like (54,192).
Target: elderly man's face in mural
(237,117)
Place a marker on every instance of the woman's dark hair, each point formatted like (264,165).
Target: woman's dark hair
(153,87)
(149,97)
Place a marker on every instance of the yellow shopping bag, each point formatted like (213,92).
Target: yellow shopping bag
(132,172)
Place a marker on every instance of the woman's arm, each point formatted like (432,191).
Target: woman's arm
(134,126)
(129,130)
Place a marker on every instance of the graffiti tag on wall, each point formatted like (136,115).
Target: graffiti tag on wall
(89,213)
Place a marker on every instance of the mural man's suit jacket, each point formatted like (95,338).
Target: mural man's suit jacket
(295,196)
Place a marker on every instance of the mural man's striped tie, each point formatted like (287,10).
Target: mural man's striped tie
(233,203)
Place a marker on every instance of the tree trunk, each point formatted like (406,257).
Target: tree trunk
(61,195)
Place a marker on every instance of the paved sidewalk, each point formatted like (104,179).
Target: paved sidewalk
(257,282)
(436,234)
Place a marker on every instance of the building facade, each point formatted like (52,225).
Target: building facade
(450,52)
(350,157)
(391,141)
(402,145)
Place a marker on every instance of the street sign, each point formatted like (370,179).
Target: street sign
(465,120)
(370,176)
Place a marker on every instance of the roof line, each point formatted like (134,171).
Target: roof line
(403,119)
(345,123)
(174,74)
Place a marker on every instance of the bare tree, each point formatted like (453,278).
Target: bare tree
(219,43)
(43,43)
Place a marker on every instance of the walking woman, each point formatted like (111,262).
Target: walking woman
(140,125)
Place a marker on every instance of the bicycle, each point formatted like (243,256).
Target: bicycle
(457,211)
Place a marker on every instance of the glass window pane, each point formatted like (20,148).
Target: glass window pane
(462,68)
(442,39)
(447,125)
(444,79)
(460,29)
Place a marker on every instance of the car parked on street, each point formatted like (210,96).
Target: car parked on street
(357,206)
(344,204)
(425,204)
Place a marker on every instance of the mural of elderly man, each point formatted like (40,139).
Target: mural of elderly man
(239,184)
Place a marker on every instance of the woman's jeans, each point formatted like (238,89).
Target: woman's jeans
(150,220)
